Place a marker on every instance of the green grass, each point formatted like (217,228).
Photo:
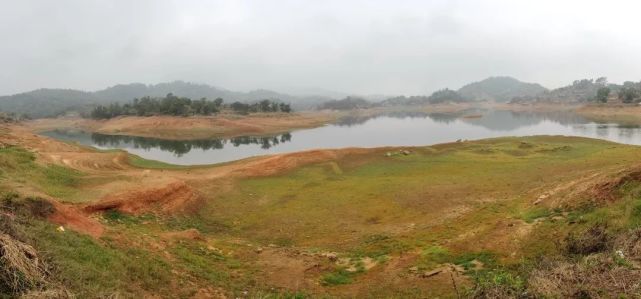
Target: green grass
(338,277)
(510,284)
(201,262)
(533,214)
(434,256)
(90,268)
(117,217)
(19,165)
(450,203)
(315,205)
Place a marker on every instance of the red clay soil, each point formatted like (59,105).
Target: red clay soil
(172,197)
(75,219)
(607,191)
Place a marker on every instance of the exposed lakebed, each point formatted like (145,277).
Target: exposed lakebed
(392,129)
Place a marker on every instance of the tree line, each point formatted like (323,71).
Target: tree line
(182,106)
(12,117)
(629,92)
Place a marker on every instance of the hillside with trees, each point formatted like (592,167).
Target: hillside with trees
(500,89)
(590,90)
(54,102)
(583,90)
(347,103)
(440,96)
(629,92)
(446,96)
(47,102)
(182,106)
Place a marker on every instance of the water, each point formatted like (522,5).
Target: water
(400,129)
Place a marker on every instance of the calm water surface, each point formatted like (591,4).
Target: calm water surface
(399,129)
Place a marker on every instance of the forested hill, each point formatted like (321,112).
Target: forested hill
(494,89)
(500,89)
(53,102)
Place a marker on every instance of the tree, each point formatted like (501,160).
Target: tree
(445,95)
(602,81)
(285,108)
(240,108)
(628,94)
(264,106)
(273,107)
(218,102)
(602,94)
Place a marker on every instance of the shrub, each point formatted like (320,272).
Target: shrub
(498,284)
(339,277)
(591,240)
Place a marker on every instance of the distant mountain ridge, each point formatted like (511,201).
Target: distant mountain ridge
(496,89)
(500,89)
(52,102)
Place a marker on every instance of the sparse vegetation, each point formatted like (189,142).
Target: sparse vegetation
(602,94)
(338,277)
(347,219)
(347,103)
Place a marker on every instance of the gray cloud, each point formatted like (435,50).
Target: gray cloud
(367,47)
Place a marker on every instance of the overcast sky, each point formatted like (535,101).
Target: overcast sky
(365,47)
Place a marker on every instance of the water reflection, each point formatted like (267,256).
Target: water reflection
(181,147)
(177,147)
(408,128)
(496,120)
(353,120)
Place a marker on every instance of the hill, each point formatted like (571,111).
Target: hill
(500,89)
(46,102)
(53,102)
(347,103)
(587,90)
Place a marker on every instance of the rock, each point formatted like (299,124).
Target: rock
(61,229)
(541,198)
(330,255)
(413,269)
(405,152)
(388,154)
(431,273)
(259,250)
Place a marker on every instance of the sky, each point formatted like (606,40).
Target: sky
(357,47)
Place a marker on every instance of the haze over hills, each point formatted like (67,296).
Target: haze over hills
(497,89)
(500,89)
(52,102)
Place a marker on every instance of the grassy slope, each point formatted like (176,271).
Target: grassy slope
(445,203)
(347,200)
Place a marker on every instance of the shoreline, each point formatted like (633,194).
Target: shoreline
(188,128)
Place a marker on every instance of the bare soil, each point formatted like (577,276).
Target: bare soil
(185,128)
